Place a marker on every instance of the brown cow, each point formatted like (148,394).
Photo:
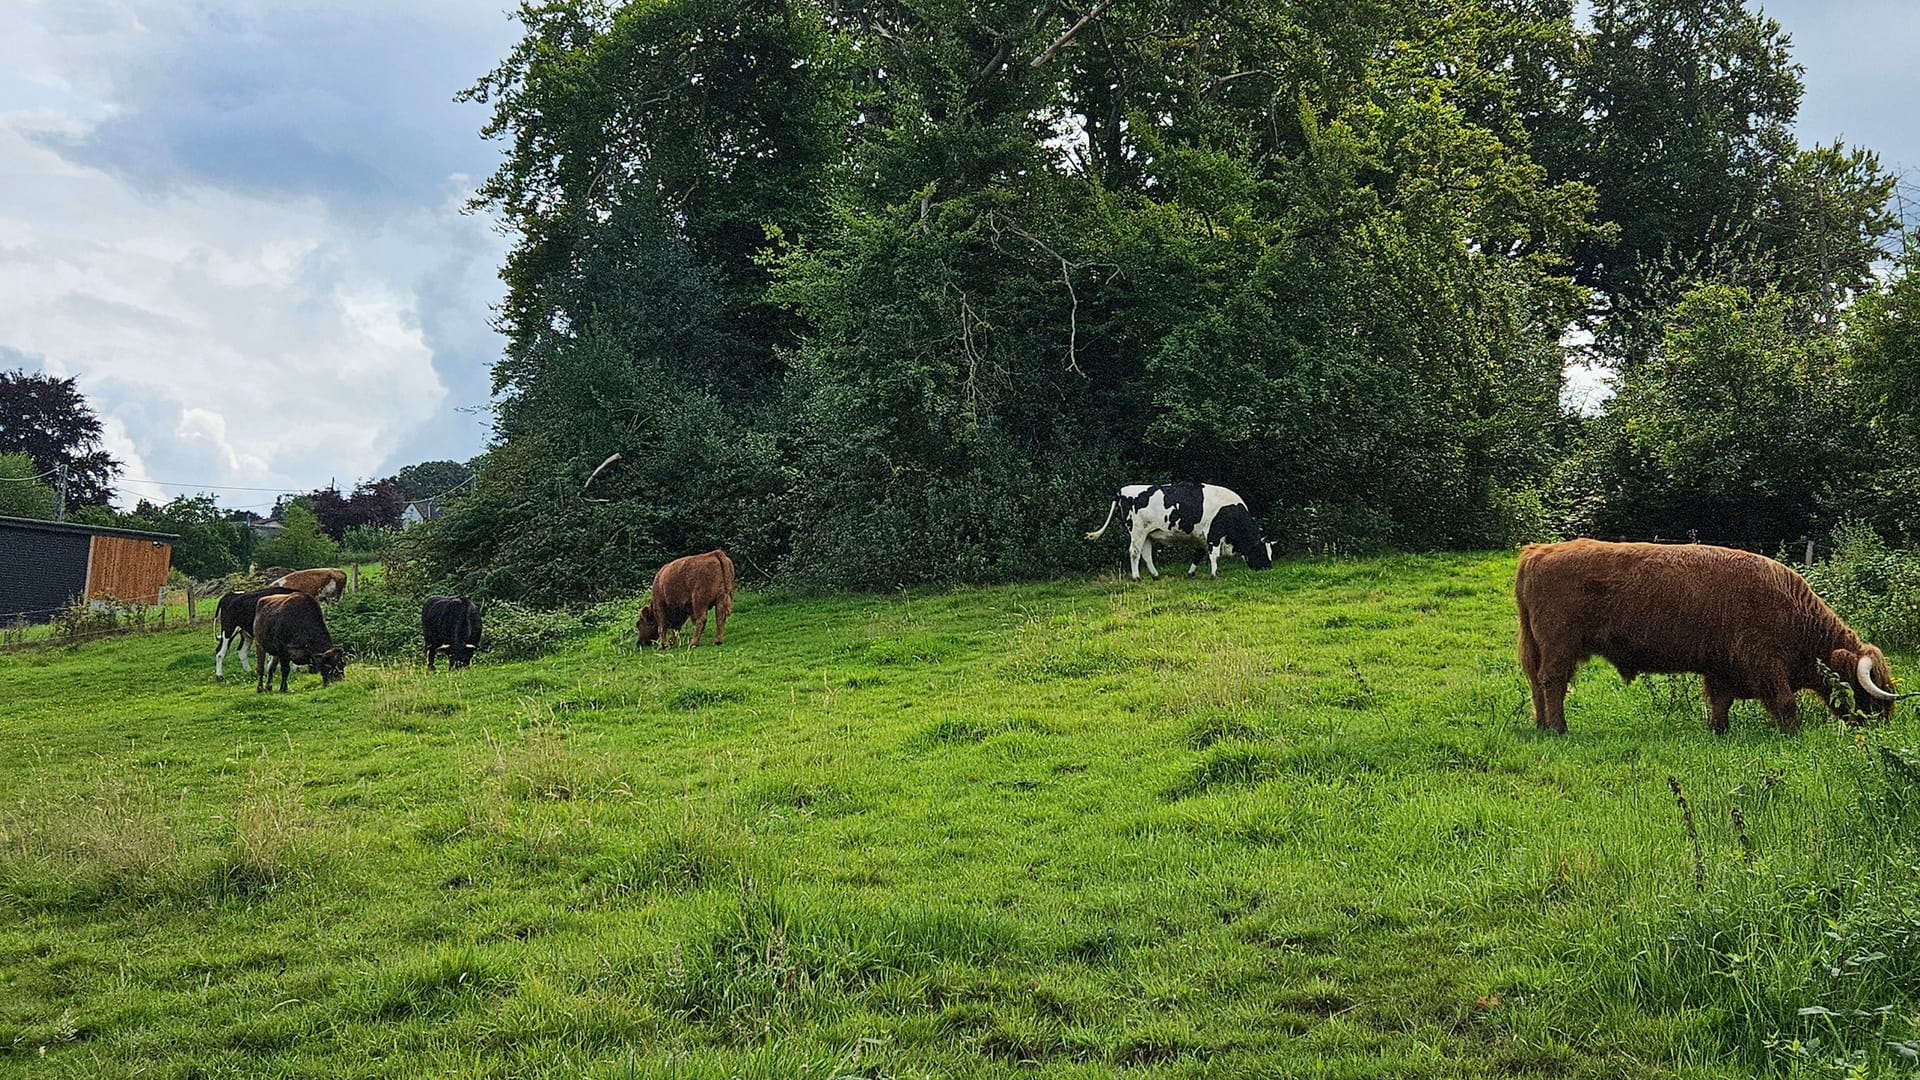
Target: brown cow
(321,584)
(288,630)
(235,614)
(1752,627)
(685,589)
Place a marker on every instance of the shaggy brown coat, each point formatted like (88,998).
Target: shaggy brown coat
(687,588)
(288,630)
(320,583)
(1751,626)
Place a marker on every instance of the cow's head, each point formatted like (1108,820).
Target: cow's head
(332,665)
(1866,674)
(646,628)
(1261,557)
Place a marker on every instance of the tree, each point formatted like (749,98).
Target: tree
(49,420)
(375,503)
(24,492)
(299,545)
(1679,114)
(430,478)
(1735,430)
(207,544)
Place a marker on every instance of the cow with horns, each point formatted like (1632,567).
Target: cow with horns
(1206,515)
(1751,627)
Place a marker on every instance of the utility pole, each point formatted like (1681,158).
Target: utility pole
(60,489)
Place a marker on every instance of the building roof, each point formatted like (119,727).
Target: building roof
(90,530)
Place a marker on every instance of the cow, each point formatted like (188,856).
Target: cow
(288,629)
(1750,626)
(321,584)
(451,623)
(235,615)
(687,588)
(1205,514)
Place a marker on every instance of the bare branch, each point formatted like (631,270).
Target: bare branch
(1061,41)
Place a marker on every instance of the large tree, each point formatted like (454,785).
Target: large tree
(24,490)
(49,420)
(431,478)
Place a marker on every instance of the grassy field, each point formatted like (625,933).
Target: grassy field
(1286,824)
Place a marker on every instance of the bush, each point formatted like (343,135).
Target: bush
(384,624)
(518,632)
(366,543)
(375,623)
(299,545)
(1871,585)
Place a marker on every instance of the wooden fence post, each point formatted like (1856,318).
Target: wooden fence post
(189,603)
(353,572)
(1809,553)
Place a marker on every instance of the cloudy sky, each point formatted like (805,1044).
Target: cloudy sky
(238,221)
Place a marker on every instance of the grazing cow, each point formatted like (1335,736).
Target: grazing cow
(321,584)
(1206,514)
(685,589)
(288,630)
(451,623)
(235,614)
(1752,627)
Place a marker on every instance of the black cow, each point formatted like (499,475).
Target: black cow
(451,623)
(290,630)
(235,615)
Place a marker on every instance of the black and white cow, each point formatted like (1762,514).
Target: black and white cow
(1204,513)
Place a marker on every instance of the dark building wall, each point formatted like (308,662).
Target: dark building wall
(40,572)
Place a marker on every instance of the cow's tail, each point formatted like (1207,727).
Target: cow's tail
(1112,508)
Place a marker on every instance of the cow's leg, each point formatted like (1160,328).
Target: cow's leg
(1146,552)
(1556,674)
(1213,559)
(1781,702)
(248,652)
(220,659)
(260,675)
(1530,667)
(286,668)
(431,650)
(699,627)
(720,612)
(1133,557)
(1719,701)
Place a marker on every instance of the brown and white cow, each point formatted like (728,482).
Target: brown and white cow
(288,629)
(687,588)
(321,583)
(1751,626)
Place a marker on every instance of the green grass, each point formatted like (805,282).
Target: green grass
(1285,824)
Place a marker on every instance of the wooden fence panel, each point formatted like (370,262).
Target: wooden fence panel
(128,570)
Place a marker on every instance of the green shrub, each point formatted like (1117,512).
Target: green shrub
(1874,587)
(518,632)
(375,623)
(366,543)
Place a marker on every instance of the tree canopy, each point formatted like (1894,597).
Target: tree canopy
(49,420)
(899,293)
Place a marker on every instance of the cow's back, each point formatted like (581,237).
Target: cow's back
(1657,607)
(290,619)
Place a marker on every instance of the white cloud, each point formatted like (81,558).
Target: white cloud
(235,316)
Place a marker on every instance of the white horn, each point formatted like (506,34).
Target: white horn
(1865,671)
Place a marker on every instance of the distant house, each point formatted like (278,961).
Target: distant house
(416,512)
(263,528)
(47,565)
